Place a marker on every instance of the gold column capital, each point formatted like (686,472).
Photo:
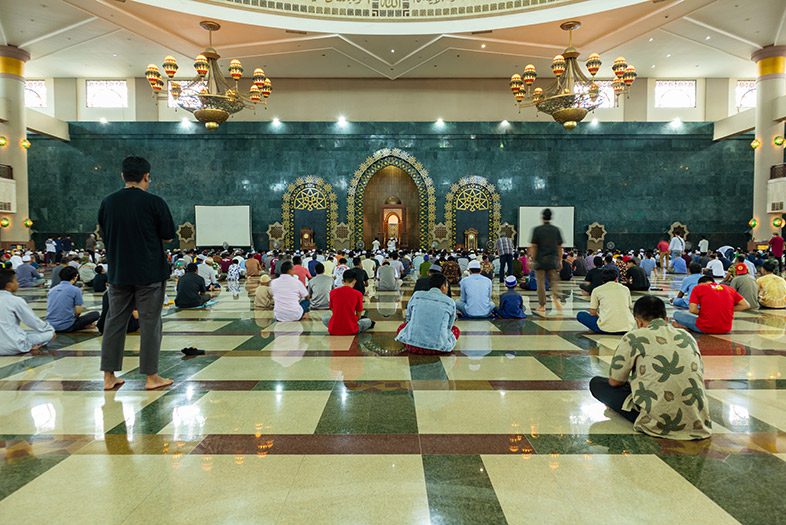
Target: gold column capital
(12,61)
(771,60)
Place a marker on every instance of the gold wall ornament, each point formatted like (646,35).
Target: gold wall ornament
(276,235)
(441,237)
(509,230)
(309,193)
(342,236)
(186,234)
(427,201)
(471,194)
(679,228)
(596,234)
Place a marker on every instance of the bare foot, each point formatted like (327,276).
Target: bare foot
(675,324)
(111,381)
(557,304)
(156,381)
(541,309)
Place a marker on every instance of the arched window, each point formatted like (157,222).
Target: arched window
(35,94)
(675,94)
(745,94)
(106,93)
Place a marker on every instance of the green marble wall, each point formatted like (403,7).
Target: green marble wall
(636,178)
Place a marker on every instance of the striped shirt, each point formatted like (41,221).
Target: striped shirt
(504,246)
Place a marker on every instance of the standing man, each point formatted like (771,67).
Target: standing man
(776,247)
(676,246)
(704,245)
(546,250)
(135,224)
(505,251)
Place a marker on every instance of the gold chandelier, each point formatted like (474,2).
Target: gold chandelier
(209,96)
(572,94)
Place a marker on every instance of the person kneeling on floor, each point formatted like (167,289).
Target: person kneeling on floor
(656,379)
(346,305)
(610,304)
(64,306)
(14,311)
(511,304)
(475,302)
(428,326)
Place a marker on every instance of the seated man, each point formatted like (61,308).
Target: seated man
(686,286)
(772,287)
(290,297)
(746,285)
(301,272)
(578,265)
(648,264)
(425,266)
(594,277)
(428,326)
(711,308)
(253,266)
(209,275)
(656,380)
(346,305)
(64,306)
(610,305)
(263,297)
(14,311)
(715,267)
(475,301)
(511,304)
(27,276)
(87,271)
(319,288)
(387,278)
(637,280)
(191,289)
(133,321)
(678,266)
(451,270)
(566,271)
(100,280)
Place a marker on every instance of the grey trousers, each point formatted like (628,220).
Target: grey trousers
(149,301)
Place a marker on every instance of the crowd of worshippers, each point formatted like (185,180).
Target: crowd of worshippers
(656,373)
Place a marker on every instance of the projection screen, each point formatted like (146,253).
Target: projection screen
(216,225)
(562,217)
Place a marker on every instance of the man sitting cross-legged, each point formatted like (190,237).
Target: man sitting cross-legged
(428,328)
(346,305)
(290,297)
(686,286)
(711,308)
(14,311)
(772,287)
(64,304)
(609,311)
(191,289)
(656,379)
(475,302)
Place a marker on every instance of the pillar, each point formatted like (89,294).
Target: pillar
(770,84)
(13,128)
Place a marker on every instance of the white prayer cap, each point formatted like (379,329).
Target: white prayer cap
(26,258)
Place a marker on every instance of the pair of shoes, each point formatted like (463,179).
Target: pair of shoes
(191,351)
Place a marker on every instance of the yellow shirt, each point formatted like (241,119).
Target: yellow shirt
(772,291)
(263,298)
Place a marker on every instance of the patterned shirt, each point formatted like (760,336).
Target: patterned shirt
(452,271)
(666,375)
(504,246)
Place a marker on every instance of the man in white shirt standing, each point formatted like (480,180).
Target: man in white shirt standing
(375,245)
(676,246)
(704,245)
(290,297)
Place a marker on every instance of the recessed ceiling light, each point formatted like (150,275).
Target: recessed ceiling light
(668,55)
(707,37)
(652,66)
(482,46)
(651,39)
(103,120)
(392,50)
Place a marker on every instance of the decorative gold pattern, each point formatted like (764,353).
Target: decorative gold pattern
(678,227)
(596,232)
(308,193)
(186,233)
(509,230)
(473,194)
(441,236)
(276,234)
(341,236)
(401,159)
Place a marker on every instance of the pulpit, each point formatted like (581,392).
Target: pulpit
(307,239)
(471,239)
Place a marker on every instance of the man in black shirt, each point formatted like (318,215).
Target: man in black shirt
(636,279)
(135,225)
(361,277)
(594,277)
(191,291)
(546,249)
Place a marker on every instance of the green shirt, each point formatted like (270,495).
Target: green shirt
(666,375)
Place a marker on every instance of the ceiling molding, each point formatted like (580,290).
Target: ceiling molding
(505,42)
(721,32)
(704,44)
(3,39)
(76,44)
(58,32)
(780,34)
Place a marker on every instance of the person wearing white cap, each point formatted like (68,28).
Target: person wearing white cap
(475,301)
(27,275)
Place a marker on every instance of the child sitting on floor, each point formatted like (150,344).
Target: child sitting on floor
(511,304)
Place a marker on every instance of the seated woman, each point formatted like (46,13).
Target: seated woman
(428,328)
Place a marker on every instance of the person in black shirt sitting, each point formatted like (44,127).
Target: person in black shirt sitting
(566,272)
(636,278)
(594,277)
(133,321)
(191,291)
(99,281)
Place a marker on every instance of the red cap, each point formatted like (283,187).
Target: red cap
(741,269)
(627,258)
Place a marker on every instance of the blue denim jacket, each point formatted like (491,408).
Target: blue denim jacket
(430,318)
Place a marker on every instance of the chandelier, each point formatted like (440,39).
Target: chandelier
(572,94)
(210,96)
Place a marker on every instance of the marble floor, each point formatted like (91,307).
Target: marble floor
(280,423)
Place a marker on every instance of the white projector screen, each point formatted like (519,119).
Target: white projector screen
(216,225)
(561,216)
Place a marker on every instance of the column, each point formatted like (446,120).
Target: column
(770,84)
(13,128)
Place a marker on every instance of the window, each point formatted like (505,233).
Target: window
(675,93)
(188,94)
(745,94)
(35,94)
(106,93)
(606,93)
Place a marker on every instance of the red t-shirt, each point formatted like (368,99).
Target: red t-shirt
(302,273)
(663,246)
(716,307)
(345,302)
(776,245)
